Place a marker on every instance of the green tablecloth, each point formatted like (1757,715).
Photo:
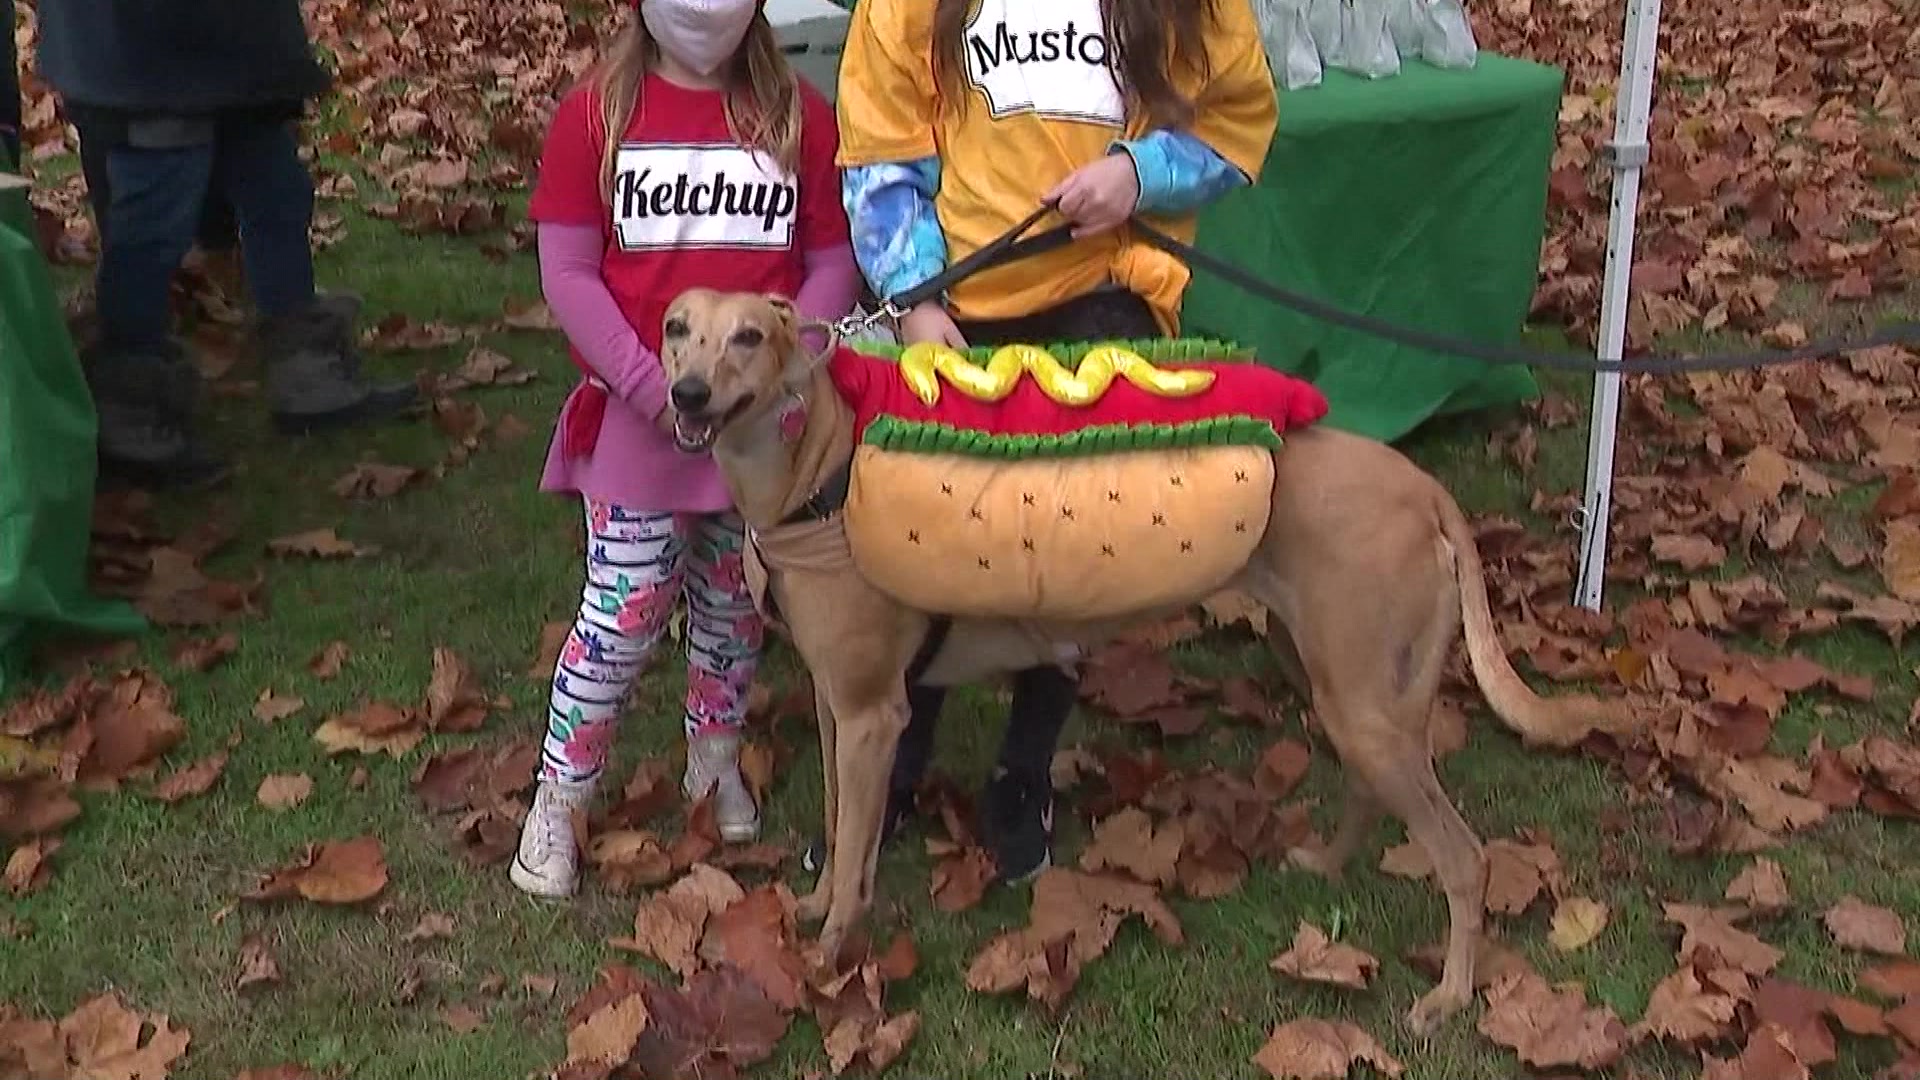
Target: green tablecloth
(1418,199)
(46,463)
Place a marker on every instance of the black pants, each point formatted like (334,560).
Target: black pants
(10,105)
(1042,696)
(218,230)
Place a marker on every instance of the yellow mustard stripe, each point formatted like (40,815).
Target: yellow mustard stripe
(926,364)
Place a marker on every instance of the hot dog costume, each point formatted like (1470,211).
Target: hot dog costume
(1067,483)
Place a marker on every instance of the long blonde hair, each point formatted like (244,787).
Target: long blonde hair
(763,93)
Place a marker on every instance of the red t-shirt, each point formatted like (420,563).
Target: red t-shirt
(691,206)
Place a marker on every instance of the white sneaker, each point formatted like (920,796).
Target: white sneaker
(548,862)
(713,764)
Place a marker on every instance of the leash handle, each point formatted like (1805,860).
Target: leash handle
(1006,248)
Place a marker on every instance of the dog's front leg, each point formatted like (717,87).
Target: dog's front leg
(866,736)
(815,905)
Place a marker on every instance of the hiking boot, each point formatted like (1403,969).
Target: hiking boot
(900,807)
(713,765)
(548,861)
(1016,823)
(313,375)
(145,400)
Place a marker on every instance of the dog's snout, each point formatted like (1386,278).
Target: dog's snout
(690,394)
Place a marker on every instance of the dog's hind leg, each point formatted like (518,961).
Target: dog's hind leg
(814,906)
(1360,814)
(866,736)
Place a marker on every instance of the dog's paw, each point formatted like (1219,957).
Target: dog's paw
(1434,1009)
(1316,861)
(812,907)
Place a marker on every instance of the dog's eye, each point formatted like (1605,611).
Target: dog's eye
(749,337)
(676,328)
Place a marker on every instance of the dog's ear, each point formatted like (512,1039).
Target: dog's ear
(784,308)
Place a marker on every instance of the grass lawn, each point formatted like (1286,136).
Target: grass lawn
(142,899)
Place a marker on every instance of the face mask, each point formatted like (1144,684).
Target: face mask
(702,34)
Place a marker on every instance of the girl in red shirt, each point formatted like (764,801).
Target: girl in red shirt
(691,157)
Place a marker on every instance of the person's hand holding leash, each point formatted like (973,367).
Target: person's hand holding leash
(929,321)
(1097,196)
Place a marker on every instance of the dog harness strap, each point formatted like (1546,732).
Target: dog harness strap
(829,499)
(938,627)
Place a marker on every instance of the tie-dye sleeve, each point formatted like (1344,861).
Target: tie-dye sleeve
(896,235)
(1179,173)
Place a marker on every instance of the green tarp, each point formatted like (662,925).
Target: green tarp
(1418,199)
(46,463)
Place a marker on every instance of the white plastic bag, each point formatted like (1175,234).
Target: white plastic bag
(1291,53)
(1323,25)
(1436,31)
(1366,44)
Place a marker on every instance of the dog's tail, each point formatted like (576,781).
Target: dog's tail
(1560,722)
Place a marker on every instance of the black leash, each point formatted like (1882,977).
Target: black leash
(1903,333)
(1014,245)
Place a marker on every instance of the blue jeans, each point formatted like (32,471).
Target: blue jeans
(159,190)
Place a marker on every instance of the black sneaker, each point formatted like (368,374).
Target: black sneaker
(899,809)
(1016,822)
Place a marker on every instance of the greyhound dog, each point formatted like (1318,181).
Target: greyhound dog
(1367,564)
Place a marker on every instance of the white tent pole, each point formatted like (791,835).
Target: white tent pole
(1627,155)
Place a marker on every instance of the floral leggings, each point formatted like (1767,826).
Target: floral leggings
(639,564)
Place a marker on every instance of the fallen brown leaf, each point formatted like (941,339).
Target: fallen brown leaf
(284,792)
(1313,957)
(188,781)
(432,925)
(337,872)
(204,654)
(455,701)
(30,866)
(317,544)
(1322,1050)
(257,963)
(1761,886)
(271,708)
(330,660)
(1707,929)
(1856,924)
(1129,843)
(1551,1029)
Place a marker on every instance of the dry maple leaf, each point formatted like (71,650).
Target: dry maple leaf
(257,963)
(1900,558)
(1408,860)
(1577,921)
(629,858)
(1690,553)
(1687,1008)
(455,701)
(1770,1054)
(1517,873)
(1761,886)
(1131,681)
(960,878)
(1129,843)
(284,792)
(670,924)
(1856,924)
(1322,1050)
(270,707)
(876,1044)
(1313,957)
(1282,766)
(30,866)
(373,480)
(336,872)
(127,730)
(464,1019)
(317,544)
(1226,609)
(755,934)
(719,1020)
(1707,929)
(203,654)
(378,728)
(607,1036)
(1898,979)
(103,1038)
(432,925)
(1551,1029)
(190,780)
(330,660)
